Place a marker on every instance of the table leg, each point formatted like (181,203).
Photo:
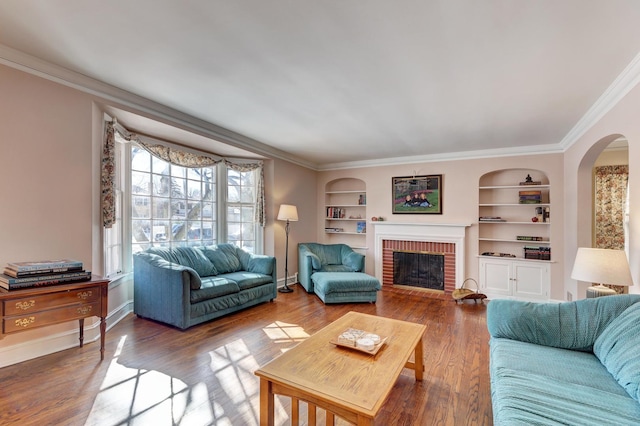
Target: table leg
(331,419)
(419,361)
(81,321)
(295,411)
(103,332)
(266,403)
(311,413)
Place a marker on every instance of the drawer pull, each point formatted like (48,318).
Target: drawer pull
(84,295)
(84,310)
(25,322)
(25,305)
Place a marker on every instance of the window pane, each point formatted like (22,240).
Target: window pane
(140,159)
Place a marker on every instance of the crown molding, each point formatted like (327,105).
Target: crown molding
(32,65)
(627,80)
(448,156)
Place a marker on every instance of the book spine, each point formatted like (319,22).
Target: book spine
(43,266)
(22,274)
(45,283)
(10,280)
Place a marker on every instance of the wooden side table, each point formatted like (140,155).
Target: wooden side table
(35,307)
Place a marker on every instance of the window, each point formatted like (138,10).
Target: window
(161,204)
(241,198)
(171,205)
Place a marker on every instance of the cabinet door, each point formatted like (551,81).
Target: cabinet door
(530,280)
(495,277)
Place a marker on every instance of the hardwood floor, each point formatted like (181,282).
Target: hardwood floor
(154,374)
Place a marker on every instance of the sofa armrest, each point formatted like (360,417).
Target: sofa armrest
(305,267)
(567,325)
(161,289)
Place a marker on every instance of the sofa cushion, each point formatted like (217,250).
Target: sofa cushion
(569,325)
(617,348)
(188,256)
(246,279)
(213,287)
(353,261)
(224,257)
(541,385)
(160,262)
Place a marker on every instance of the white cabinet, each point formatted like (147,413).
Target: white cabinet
(519,279)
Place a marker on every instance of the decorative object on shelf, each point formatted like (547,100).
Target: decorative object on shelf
(361,227)
(529,181)
(491,219)
(537,253)
(464,293)
(601,266)
(417,194)
(374,219)
(380,219)
(362,200)
(289,213)
(534,219)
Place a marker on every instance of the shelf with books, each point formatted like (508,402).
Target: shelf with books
(345,212)
(514,207)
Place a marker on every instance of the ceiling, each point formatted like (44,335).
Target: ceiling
(329,82)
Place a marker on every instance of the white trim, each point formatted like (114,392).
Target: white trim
(622,85)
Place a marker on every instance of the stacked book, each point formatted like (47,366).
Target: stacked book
(530,197)
(537,253)
(42,273)
(491,219)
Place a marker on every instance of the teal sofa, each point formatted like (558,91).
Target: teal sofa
(185,286)
(572,363)
(334,272)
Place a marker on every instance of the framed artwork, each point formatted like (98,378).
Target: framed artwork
(417,194)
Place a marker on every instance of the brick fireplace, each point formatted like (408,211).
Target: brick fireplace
(445,239)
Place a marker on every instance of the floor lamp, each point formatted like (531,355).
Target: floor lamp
(290,214)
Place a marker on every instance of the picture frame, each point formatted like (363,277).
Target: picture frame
(417,194)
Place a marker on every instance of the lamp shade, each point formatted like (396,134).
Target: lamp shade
(288,212)
(602,266)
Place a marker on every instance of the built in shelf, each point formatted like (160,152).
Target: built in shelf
(527,242)
(516,187)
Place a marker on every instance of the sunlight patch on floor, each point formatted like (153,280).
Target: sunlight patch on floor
(139,396)
(282,332)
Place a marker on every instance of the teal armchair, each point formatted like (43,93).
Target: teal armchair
(315,257)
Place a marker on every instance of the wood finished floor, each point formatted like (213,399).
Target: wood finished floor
(157,375)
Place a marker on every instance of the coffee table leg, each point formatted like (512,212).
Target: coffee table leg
(419,362)
(311,414)
(266,403)
(295,412)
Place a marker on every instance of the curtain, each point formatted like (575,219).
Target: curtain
(108,176)
(611,184)
(173,156)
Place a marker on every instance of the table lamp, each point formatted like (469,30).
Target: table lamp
(290,214)
(601,266)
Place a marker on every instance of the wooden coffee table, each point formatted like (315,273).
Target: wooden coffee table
(343,381)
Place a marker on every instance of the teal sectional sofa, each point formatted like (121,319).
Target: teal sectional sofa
(185,286)
(572,363)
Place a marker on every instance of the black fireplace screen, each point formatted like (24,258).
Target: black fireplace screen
(425,270)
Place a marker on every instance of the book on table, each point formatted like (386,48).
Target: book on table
(43,265)
(11,283)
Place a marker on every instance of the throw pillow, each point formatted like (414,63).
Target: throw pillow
(617,348)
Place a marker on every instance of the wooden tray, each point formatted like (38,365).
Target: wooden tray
(373,351)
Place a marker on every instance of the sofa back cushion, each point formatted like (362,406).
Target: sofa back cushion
(224,257)
(192,257)
(617,349)
(568,325)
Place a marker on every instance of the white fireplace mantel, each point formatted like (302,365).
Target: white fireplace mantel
(434,232)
